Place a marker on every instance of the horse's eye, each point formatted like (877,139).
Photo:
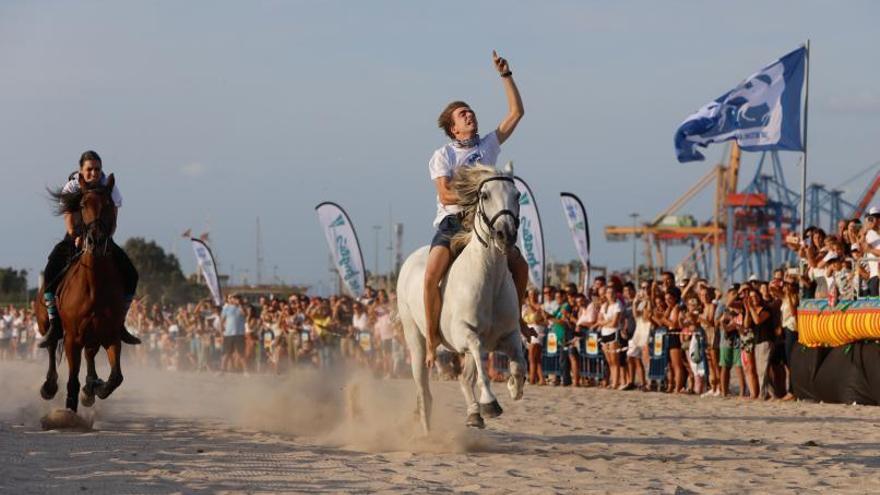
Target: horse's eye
(484,195)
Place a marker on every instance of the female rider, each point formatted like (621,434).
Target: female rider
(90,169)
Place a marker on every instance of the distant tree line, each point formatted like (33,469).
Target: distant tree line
(13,285)
(161,278)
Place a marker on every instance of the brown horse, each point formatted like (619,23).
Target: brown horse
(90,300)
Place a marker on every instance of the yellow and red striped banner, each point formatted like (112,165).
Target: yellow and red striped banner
(847,322)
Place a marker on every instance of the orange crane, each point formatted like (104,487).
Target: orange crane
(711,233)
(867,196)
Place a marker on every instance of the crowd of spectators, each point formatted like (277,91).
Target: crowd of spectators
(271,335)
(747,333)
(674,335)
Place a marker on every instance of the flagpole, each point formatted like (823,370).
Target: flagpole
(804,157)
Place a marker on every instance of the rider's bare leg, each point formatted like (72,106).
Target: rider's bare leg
(438,263)
(520,271)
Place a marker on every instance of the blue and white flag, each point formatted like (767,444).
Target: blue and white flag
(761,113)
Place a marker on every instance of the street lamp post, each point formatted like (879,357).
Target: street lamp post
(376,229)
(635,268)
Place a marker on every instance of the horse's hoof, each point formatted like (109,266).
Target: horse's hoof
(475,421)
(48,390)
(86,399)
(491,410)
(106,388)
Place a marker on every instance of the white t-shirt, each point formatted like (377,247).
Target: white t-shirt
(6,327)
(72,186)
(608,312)
(551,307)
(361,322)
(873,240)
(445,160)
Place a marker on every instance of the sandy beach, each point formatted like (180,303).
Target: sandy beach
(169,432)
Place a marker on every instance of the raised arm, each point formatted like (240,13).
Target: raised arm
(515,109)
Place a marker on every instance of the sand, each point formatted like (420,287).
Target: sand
(170,432)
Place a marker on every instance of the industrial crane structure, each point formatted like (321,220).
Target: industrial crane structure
(746,231)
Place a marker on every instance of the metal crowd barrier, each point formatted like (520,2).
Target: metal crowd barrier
(551,359)
(658,350)
(592,359)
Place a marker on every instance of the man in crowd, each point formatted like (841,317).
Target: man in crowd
(233,319)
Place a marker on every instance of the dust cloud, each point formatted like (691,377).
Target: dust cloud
(341,407)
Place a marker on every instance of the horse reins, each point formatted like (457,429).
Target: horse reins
(490,222)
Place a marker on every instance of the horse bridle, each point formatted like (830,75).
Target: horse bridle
(89,241)
(490,222)
(90,244)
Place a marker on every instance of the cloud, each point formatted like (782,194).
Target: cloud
(193,169)
(866,101)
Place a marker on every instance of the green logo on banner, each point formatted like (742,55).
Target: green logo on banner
(579,226)
(524,199)
(339,222)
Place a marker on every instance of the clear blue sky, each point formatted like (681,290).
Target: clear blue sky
(214,113)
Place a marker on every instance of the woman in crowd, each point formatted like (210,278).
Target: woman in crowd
(671,320)
(383,330)
(534,316)
(609,322)
(789,309)
(576,326)
(638,353)
(360,323)
(707,321)
(754,316)
(694,344)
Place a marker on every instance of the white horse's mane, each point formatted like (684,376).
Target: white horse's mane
(466,184)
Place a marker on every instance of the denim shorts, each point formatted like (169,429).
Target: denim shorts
(449,226)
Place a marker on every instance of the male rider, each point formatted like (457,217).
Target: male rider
(90,169)
(467,148)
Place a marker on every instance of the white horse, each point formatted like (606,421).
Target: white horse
(480,306)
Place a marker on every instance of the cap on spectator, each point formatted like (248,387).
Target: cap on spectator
(873,212)
(753,278)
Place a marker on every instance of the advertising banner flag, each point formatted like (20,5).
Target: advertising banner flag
(576,216)
(531,235)
(344,246)
(208,268)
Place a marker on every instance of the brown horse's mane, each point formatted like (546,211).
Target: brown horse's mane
(69,202)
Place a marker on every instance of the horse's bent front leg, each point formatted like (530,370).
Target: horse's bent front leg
(74,360)
(489,406)
(114,352)
(512,346)
(50,386)
(92,381)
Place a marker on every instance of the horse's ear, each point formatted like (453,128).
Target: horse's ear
(508,169)
(111,181)
(81,181)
